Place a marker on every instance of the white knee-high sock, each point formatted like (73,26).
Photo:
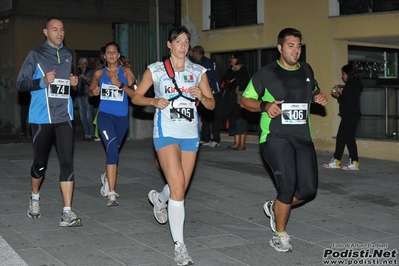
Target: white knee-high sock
(176,216)
(164,195)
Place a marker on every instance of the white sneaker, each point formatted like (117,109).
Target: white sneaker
(268,208)
(160,213)
(181,256)
(333,164)
(105,186)
(112,199)
(34,209)
(203,143)
(351,165)
(281,243)
(214,144)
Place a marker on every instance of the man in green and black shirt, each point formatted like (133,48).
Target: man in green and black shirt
(282,91)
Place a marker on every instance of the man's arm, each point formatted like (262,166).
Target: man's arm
(25,80)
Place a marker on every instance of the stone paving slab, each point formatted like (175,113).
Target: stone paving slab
(225,223)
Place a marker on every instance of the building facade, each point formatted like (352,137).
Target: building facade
(335,32)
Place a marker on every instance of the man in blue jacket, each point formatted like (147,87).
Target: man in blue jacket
(46,73)
(210,130)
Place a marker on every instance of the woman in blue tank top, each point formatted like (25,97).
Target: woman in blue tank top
(113,85)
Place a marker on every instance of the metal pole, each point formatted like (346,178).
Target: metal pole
(157,29)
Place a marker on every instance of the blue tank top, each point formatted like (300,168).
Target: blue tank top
(117,102)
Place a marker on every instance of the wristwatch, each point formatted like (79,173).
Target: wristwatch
(122,85)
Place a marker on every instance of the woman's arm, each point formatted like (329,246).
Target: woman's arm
(94,89)
(128,73)
(138,97)
(203,93)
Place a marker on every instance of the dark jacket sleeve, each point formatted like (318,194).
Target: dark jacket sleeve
(25,81)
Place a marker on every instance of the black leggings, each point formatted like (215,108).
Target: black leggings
(43,136)
(346,136)
(294,166)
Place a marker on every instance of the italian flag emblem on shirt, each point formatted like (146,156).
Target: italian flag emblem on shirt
(189,78)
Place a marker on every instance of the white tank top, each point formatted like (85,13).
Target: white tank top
(167,122)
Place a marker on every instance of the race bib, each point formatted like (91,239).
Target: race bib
(294,113)
(60,88)
(111,93)
(181,107)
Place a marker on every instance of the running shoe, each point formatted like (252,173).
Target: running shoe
(351,165)
(281,243)
(333,164)
(203,143)
(69,219)
(268,208)
(34,209)
(181,256)
(160,213)
(214,144)
(105,186)
(112,199)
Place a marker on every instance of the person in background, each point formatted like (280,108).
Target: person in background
(24,102)
(282,91)
(82,99)
(210,130)
(233,83)
(113,84)
(349,110)
(46,73)
(176,130)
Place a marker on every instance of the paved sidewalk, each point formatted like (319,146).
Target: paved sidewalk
(225,223)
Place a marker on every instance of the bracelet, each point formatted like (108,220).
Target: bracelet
(122,86)
(263,106)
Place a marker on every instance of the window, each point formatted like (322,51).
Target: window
(379,100)
(348,7)
(254,60)
(233,13)
(4,25)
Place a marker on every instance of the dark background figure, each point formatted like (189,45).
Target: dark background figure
(210,119)
(348,98)
(24,102)
(82,99)
(234,118)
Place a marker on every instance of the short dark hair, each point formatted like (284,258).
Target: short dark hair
(50,19)
(175,32)
(199,49)
(239,56)
(288,32)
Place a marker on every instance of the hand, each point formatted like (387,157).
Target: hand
(273,109)
(338,88)
(74,80)
(196,93)
(115,80)
(160,103)
(49,77)
(320,98)
(96,91)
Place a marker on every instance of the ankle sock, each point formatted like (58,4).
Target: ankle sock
(35,196)
(277,233)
